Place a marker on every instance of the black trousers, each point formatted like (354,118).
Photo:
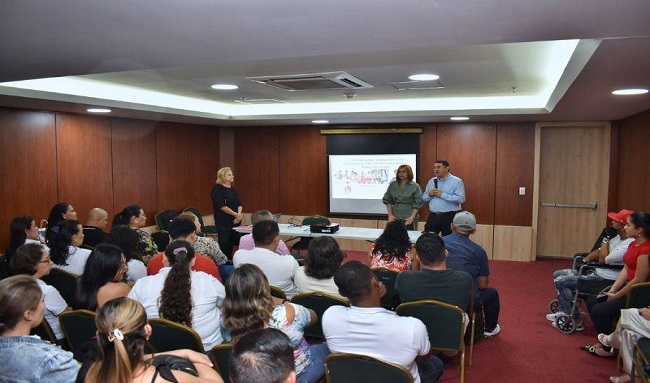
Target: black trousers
(440,223)
(489,297)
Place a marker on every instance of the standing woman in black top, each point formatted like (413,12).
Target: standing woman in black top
(227,210)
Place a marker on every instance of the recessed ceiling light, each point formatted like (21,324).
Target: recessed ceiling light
(224,86)
(424,77)
(626,92)
(320,122)
(459,118)
(98,110)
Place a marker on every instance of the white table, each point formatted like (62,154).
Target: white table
(355,233)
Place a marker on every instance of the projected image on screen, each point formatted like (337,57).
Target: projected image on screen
(358,182)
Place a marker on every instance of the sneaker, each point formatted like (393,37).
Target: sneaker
(552,317)
(579,326)
(490,334)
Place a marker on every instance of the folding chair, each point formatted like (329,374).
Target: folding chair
(444,324)
(167,336)
(352,368)
(319,302)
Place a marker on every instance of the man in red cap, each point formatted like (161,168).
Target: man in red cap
(610,252)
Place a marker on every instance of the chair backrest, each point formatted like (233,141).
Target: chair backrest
(278,293)
(4,267)
(163,218)
(444,322)
(44,331)
(639,295)
(315,220)
(319,302)
(167,336)
(352,368)
(390,300)
(79,327)
(64,282)
(161,238)
(220,354)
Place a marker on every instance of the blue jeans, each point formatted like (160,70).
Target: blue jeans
(566,284)
(316,370)
(430,369)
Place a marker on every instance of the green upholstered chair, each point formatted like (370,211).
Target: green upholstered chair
(390,300)
(79,328)
(44,331)
(319,302)
(64,282)
(352,368)
(167,336)
(219,356)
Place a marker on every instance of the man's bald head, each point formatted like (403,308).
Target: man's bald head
(97,217)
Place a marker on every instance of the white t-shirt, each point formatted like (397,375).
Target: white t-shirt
(307,284)
(76,261)
(617,249)
(137,270)
(279,269)
(54,306)
(376,332)
(207,296)
(28,240)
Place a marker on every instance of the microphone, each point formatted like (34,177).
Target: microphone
(435,183)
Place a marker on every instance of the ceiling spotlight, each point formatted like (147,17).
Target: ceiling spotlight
(98,110)
(320,122)
(627,92)
(224,86)
(424,77)
(459,118)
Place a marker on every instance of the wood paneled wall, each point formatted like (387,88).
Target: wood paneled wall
(102,162)
(633,187)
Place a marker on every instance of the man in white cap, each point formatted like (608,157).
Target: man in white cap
(466,255)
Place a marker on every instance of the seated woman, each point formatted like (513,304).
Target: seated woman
(102,279)
(323,259)
(192,298)
(249,307)
(58,213)
(122,334)
(31,259)
(611,253)
(133,216)
(634,325)
(22,230)
(393,249)
(636,270)
(64,240)
(31,359)
(128,240)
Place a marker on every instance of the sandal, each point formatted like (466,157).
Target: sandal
(604,340)
(597,350)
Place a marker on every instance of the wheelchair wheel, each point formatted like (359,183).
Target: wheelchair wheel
(553,306)
(565,324)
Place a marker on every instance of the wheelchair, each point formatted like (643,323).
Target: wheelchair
(585,290)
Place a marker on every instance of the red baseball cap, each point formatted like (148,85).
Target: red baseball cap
(621,216)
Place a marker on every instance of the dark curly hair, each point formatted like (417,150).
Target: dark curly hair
(59,239)
(126,239)
(176,297)
(323,257)
(394,241)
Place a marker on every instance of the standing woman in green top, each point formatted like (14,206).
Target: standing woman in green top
(403,198)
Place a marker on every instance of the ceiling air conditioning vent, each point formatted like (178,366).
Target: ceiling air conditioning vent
(313,81)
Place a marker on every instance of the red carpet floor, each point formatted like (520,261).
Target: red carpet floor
(528,349)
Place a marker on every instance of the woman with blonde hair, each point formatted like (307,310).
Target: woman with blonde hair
(249,306)
(122,334)
(227,210)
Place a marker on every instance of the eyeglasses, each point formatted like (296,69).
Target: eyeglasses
(46,260)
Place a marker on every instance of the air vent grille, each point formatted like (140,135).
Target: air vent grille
(313,81)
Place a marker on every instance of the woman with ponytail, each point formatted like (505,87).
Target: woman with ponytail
(192,298)
(122,334)
(133,216)
(64,240)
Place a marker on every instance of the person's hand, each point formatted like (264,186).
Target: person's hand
(645,313)
(409,221)
(391,218)
(192,356)
(611,295)
(435,192)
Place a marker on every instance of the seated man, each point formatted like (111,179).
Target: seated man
(434,280)
(279,269)
(368,329)
(246,242)
(184,228)
(611,252)
(466,255)
(262,356)
(96,222)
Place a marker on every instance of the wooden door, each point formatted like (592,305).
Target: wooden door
(573,178)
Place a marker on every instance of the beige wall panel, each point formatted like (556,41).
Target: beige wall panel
(513,243)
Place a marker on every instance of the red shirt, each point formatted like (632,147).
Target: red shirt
(631,256)
(202,263)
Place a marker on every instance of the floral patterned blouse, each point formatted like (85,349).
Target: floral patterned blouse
(389,261)
(147,246)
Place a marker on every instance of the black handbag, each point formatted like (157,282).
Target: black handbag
(166,363)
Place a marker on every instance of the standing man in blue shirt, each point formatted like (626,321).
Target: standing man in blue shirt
(445,193)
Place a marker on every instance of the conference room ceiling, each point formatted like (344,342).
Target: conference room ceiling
(506,60)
